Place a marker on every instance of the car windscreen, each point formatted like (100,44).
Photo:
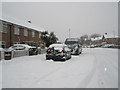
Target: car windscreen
(18,47)
(71,42)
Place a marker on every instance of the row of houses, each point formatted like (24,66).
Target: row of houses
(11,34)
(108,39)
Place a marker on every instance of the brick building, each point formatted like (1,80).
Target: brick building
(11,33)
(109,39)
(112,39)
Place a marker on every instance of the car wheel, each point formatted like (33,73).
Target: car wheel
(80,52)
(47,58)
(70,56)
(65,58)
(77,53)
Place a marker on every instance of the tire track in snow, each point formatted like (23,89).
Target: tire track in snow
(88,78)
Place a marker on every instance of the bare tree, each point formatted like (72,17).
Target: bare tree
(85,39)
(95,35)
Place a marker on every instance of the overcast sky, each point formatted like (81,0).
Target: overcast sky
(82,18)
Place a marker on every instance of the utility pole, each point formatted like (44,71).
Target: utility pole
(69,33)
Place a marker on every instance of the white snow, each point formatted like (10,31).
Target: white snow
(19,46)
(111,36)
(57,45)
(94,68)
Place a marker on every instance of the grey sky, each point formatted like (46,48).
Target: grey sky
(82,18)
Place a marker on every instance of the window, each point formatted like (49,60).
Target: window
(2,44)
(33,33)
(25,32)
(5,28)
(18,47)
(16,30)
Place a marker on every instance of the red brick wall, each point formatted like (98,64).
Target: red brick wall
(112,40)
(11,37)
(6,37)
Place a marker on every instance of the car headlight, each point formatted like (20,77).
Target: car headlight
(62,53)
(76,47)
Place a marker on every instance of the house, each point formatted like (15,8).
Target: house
(12,33)
(109,39)
(97,40)
(112,39)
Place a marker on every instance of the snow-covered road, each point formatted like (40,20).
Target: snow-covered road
(94,68)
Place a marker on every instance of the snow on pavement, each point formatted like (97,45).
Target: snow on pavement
(85,70)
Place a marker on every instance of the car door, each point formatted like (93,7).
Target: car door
(20,51)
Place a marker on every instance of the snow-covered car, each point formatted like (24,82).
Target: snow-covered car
(92,46)
(108,46)
(23,47)
(58,52)
(74,45)
(1,53)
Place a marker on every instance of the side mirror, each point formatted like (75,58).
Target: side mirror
(64,51)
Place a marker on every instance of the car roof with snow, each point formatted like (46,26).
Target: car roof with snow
(1,49)
(25,45)
(57,45)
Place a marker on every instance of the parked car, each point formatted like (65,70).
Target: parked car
(111,46)
(108,46)
(92,46)
(75,45)
(58,52)
(18,47)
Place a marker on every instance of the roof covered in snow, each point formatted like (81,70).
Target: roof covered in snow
(111,36)
(106,36)
(20,22)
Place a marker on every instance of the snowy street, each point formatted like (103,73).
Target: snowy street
(94,68)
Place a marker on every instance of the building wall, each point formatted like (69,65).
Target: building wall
(108,40)
(6,37)
(113,40)
(10,38)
